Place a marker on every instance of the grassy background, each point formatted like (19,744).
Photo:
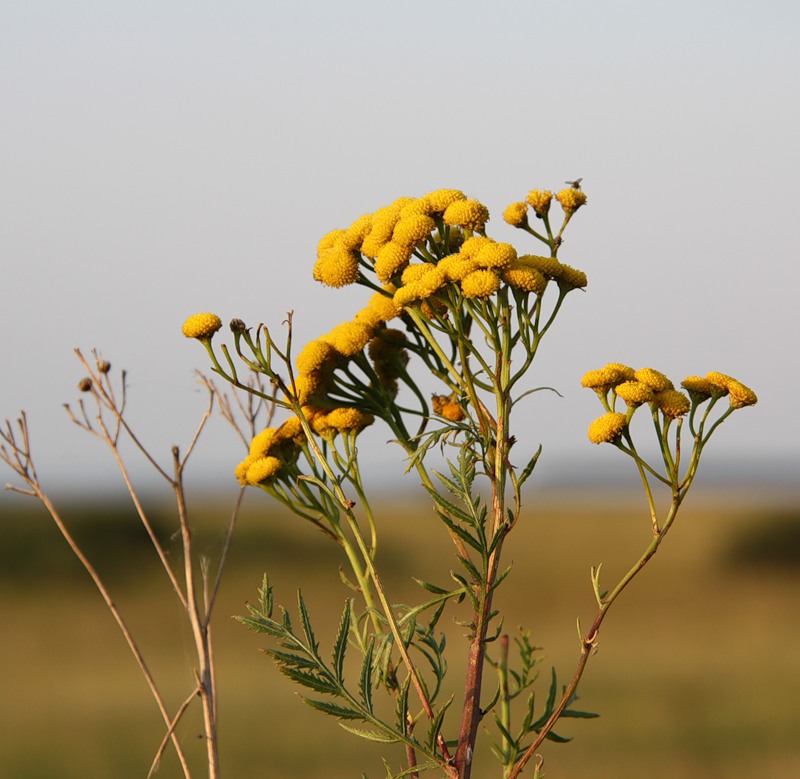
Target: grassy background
(696,674)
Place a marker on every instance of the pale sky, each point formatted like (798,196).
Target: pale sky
(163,158)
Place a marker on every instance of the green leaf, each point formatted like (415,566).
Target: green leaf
(431,587)
(436,725)
(289,658)
(268,627)
(401,706)
(340,712)
(371,735)
(579,714)
(306,622)
(340,645)
(365,678)
(312,682)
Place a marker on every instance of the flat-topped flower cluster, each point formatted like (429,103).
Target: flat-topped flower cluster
(649,386)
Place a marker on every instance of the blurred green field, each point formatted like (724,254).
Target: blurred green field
(697,673)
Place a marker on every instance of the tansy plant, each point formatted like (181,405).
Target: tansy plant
(449,302)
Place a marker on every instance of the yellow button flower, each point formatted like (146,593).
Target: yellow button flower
(480,284)
(201,326)
(607,428)
(469,214)
(634,393)
(516,214)
(672,403)
(571,200)
(654,379)
(539,200)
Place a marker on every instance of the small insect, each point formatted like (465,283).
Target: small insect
(575,184)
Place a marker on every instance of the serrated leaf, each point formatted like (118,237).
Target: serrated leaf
(306,622)
(259,625)
(291,659)
(340,645)
(453,487)
(365,678)
(340,712)
(370,735)
(312,682)
(265,598)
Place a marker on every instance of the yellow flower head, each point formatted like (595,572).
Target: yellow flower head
(354,236)
(349,338)
(262,442)
(345,418)
(524,278)
(603,379)
(383,222)
(306,385)
(496,255)
(328,241)
(571,278)
(262,469)
(418,207)
(473,245)
(380,309)
(654,379)
(634,393)
(455,267)
(672,403)
(241,470)
(607,428)
(290,430)
(469,214)
(480,284)
(516,214)
(408,294)
(740,395)
(571,200)
(549,267)
(431,281)
(441,199)
(316,355)
(624,370)
(201,326)
(539,200)
(391,260)
(412,229)
(337,267)
(415,272)
(699,389)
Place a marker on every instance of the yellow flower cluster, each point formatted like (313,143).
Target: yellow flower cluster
(647,385)
(439,230)
(636,387)
(201,325)
(321,357)
(271,450)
